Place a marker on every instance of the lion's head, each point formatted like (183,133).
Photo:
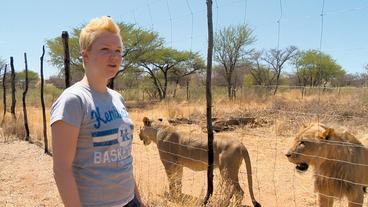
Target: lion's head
(313,145)
(149,131)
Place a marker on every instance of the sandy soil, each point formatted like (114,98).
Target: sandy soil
(26,176)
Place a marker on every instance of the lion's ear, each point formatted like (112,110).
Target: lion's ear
(328,133)
(146,121)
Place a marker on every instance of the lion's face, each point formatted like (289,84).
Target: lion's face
(309,145)
(148,132)
(144,135)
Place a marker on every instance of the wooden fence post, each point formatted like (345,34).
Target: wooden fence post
(65,38)
(43,105)
(2,68)
(4,94)
(24,99)
(209,103)
(188,90)
(12,107)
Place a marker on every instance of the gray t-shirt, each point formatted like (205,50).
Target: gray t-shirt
(102,165)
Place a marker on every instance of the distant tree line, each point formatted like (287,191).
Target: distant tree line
(145,56)
(33,78)
(152,66)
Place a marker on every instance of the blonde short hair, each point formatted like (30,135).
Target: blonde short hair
(93,30)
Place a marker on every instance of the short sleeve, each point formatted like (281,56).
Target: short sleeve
(122,99)
(67,108)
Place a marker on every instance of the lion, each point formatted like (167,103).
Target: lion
(177,150)
(340,163)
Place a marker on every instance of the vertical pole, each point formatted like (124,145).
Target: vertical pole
(209,103)
(4,94)
(65,38)
(43,105)
(188,90)
(12,107)
(24,99)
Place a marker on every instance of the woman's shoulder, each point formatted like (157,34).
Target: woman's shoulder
(77,89)
(75,92)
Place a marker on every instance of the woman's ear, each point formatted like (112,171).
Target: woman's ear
(84,55)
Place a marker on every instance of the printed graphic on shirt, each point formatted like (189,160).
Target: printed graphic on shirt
(111,145)
(113,155)
(105,138)
(107,117)
(125,135)
(122,136)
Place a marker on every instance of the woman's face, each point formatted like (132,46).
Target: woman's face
(104,57)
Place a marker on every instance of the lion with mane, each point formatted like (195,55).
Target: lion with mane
(177,150)
(340,163)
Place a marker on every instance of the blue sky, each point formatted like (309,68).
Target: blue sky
(25,25)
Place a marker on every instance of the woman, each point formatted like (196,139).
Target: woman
(91,131)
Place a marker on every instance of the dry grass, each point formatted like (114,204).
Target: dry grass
(275,181)
(13,129)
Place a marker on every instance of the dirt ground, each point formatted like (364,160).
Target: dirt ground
(26,172)
(26,176)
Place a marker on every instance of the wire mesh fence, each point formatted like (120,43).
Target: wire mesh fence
(278,119)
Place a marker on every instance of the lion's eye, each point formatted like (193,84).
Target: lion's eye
(301,143)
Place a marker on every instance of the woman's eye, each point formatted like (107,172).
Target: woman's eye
(105,49)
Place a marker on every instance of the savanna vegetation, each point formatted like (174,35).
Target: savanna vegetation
(279,88)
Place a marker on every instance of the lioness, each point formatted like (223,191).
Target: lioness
(339,160)
(176,151)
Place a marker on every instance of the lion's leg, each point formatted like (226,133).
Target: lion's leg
(325,201)
(239,194)
(229,172)
(356,200)
(227,189)
(226,192)
(174,174)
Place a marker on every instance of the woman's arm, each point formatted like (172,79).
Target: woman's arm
(64,145)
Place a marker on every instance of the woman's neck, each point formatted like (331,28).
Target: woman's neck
(95,84)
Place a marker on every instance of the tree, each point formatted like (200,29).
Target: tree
(130,79)
(32,78)
(365,75)
(136,42)
(2,63)
(277,58)
(229,49)
(160,63)
(56,53)
(262,75)
(57,81)
(316,68)
(183,72)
